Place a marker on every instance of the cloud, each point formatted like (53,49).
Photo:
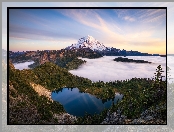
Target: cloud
(128,18)
(115,35)
(105,69)
(141,41)
(121,13)
(161,17)
(93,20)
(23,32)
(150,12)
(46,44)
(151,15)
(99,24)
(22,66)
(141,15)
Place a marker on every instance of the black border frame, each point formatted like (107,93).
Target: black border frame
(8,8)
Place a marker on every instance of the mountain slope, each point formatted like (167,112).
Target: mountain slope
(88,42)
(139,95)
(26,106)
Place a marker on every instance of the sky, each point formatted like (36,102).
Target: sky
(170,44)
(141,30)
(122,36)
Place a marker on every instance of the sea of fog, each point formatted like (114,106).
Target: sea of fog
(23,65)
(105,69)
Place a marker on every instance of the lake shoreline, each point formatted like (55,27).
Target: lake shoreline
(74,99)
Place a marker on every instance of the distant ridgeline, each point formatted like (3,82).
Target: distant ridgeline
(63,58)
(86,47)
(95,45)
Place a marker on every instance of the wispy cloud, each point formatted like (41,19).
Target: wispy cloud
(150,12)
(23,32)
(94,20)
(119,36)
(151,15)
(128,18)
(125,27)
(141,15)
(121,13)
(157,18)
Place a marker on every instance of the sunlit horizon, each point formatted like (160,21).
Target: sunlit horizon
(142,30)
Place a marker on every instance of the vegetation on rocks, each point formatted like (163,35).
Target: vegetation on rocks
(23,97)
(64,58)
(139,93)
(74,64)
(120,59)
(147,95)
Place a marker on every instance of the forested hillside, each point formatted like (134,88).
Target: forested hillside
(140,94)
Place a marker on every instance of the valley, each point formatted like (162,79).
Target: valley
(89,67)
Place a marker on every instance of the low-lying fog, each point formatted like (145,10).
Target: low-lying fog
(105,69)
(23,65)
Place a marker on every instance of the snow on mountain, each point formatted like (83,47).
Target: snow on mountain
(88,42)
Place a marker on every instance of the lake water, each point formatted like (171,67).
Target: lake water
(105,69)
(76,103)
(23,65)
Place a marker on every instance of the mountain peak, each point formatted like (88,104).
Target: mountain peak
(88,42)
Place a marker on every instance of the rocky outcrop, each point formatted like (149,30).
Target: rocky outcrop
(65,118)
(146,117)
(31,53)
(44,58)
(41,90)
(52,57)
(11,65)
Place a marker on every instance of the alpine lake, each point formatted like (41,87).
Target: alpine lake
(78,103)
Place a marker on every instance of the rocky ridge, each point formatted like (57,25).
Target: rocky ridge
(149,116)
(88,42)
(63,118)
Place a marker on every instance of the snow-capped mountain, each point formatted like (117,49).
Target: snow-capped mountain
(88,42)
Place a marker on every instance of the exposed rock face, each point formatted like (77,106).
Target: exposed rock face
(44,58)
(146,117)
(47,57)
(28,114)
(41,90)
(52,57)
(11,65)
(61,55)
(65,118)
